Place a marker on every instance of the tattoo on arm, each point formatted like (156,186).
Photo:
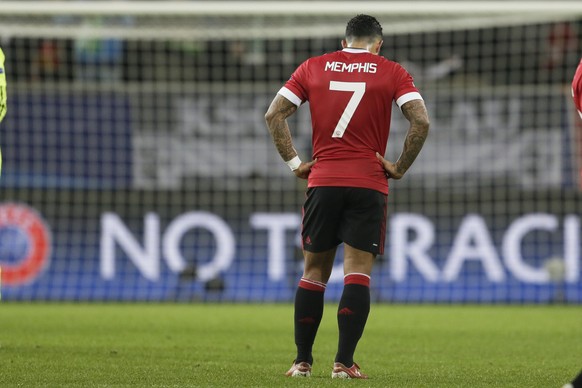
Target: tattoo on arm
(415,112)
(276,119)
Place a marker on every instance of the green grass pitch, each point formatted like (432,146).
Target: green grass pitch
(198,345)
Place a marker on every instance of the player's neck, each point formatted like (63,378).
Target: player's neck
(372,48)
(358,47)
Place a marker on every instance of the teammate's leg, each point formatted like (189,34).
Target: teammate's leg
(354,304)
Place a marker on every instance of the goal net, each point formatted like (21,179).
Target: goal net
(137,164)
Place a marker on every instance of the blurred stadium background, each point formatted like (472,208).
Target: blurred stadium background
(137,165)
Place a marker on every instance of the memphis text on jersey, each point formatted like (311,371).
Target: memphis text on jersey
(350,67)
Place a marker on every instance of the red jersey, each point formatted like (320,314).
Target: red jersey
(577,88)
(350,94)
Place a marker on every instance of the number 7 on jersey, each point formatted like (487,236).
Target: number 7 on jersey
(358,88)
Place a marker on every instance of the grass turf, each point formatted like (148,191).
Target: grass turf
(169,345)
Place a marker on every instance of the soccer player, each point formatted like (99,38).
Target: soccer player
(2,94)
(577,96)
(350,94)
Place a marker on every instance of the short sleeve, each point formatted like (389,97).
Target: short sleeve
(295,89)
(405,89)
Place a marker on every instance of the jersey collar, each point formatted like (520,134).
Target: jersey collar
(354,50)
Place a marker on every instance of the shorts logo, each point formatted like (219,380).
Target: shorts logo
(24,244)
(308,240)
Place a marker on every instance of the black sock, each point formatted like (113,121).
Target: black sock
(577,382)
(308,313)
(352,315)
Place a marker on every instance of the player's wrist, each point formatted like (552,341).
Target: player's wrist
(294,163)
(399,169)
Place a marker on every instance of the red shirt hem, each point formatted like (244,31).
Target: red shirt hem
(346,182)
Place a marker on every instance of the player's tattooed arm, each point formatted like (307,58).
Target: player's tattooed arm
(415,112)
(276,119)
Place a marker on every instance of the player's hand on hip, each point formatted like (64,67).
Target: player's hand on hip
(304,169)
(390,168)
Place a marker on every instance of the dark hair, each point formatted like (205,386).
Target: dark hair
(364,26)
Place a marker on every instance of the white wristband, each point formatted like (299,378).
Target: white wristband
(294,163)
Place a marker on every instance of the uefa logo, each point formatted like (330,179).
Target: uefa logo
(24,244)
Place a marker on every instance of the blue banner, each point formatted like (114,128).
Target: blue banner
(199,255)
(68,140)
